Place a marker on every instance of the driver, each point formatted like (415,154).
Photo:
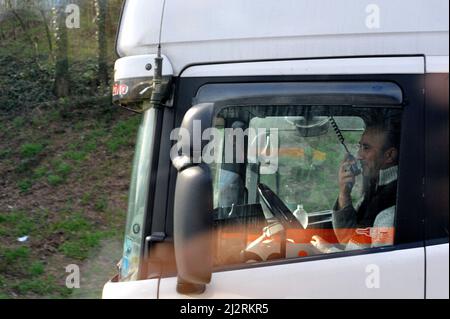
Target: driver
(370,222)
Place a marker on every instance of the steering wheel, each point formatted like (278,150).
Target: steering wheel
(278,208)
(257,250)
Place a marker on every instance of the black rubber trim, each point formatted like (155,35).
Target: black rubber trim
(435,242)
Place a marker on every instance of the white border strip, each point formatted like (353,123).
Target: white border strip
(437,64)
(393,65)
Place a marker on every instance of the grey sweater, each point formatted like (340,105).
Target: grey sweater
(345,224)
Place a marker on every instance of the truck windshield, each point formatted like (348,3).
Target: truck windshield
(138,195)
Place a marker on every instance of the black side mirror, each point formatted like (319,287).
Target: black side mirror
(193,222)
(193,208)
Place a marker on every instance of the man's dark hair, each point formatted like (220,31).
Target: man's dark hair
(390,125)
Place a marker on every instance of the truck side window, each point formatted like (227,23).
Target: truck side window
(313,180)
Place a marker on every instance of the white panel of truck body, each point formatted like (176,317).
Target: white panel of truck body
(139,26)
(437,64)
(399,65)
(400,273)
(141,289)
(133,67)
(437,271)
(211,31)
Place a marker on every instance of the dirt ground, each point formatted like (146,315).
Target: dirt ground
(98,269)
(77,217)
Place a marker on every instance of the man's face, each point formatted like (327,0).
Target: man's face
(370,152)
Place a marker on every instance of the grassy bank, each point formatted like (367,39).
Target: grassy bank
(64,183)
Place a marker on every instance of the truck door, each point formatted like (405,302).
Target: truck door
(288,156)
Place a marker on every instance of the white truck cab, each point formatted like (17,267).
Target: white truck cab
(300,81)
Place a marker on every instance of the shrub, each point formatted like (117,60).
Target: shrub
(55,180)
(24,185)
(36,269)
(30,150)
(12,255)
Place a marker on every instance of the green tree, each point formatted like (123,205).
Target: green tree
(101,12)
(48,34)
(22,12)
(62,76)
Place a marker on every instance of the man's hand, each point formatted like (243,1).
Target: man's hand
(320,243)
(346,181)
(323,246)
